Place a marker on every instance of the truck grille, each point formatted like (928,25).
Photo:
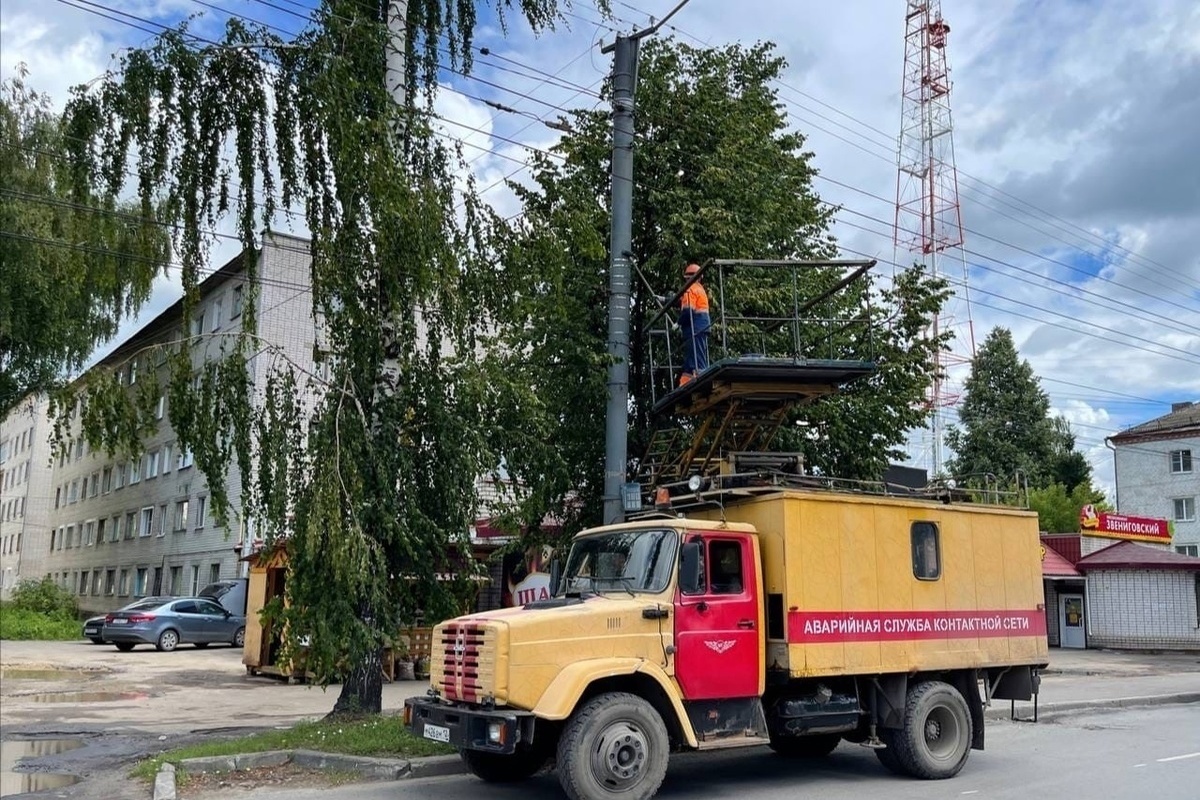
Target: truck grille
(462,653)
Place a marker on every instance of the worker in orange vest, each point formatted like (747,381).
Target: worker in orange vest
(694,323)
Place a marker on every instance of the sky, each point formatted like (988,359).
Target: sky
(1076,134)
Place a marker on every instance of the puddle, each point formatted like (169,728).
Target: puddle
(38,674)
(18,782)
(82,697)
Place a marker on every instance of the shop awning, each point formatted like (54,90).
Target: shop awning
(1055,566)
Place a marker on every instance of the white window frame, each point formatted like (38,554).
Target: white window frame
(152,464)
(201,510)
(1181,455)
(1183,509)
(181,514)
(135,471)
(168,455)
(146,522)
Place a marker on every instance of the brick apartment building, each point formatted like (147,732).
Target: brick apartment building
(114,529)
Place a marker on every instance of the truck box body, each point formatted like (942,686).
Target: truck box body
(842,597)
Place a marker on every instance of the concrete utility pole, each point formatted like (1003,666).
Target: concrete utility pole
(616,424)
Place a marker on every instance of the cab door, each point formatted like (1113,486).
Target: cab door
(719,625)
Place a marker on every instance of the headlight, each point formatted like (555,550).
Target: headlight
(496,733)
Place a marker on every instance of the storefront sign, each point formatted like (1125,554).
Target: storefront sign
(1119,526)
(526,576)
(818,627)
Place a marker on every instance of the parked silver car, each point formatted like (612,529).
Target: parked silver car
(93,627)
(167,623)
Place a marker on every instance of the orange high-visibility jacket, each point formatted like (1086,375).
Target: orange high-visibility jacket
(693,310)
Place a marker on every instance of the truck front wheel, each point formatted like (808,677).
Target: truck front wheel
(936,736)
(501,768)
(615,747)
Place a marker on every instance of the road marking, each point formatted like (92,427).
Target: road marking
(1179,758)
(1135,766)
(973,791)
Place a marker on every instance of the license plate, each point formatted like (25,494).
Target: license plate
(90,631)
(119,621)
(438,733)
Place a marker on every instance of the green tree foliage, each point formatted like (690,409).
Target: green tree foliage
(372,494)
(718,174)
(73,264)
(1058,509)
(44,597)
(1006,425)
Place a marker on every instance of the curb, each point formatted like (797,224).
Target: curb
(383,769)
(1001,713)
(435,766)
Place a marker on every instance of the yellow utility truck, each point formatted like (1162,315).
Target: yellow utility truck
(784,614)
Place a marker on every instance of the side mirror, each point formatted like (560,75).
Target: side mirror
(691,568)
(555,576)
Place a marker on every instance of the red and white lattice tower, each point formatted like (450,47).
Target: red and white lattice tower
(928,218)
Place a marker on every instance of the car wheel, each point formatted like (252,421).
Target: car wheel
(124,647)
(201,645)
(168,640)
(239,638)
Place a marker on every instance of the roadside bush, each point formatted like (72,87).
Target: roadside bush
(19,623)
(45,597)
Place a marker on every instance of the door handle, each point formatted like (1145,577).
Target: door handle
(746,623)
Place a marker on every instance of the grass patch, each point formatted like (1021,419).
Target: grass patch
(20,623)
(383,736)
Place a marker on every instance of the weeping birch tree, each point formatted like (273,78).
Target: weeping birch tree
(372,493)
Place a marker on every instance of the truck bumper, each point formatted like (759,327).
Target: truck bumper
(468,727)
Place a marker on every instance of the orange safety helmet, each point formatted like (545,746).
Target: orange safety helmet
(691,270)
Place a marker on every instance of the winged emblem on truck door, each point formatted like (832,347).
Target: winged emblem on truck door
(720,645)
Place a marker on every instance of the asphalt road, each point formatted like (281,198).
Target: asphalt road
(1132,753)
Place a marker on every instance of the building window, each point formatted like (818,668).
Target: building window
(235,303)
(214,573)
(114,533)
(139,583)
(176,577)
(95,489)
(135,472)
(161,407)
(110,582)
(216,314)
(198,322)
(89,536)
(926,553)
(1181,461)
(152,465)
(78,449)
(162,519)
(168,455)
(195,580)
(185,459)
(73,496)
(106,480)
(1188,549)
(70,536)
(123,589)
(96,576)
(181,515)
(83,583)
(201,509)
(58,497)
(131,525)
(147,526)
(100,530)
(1185,509)
(133,369)
(120,476)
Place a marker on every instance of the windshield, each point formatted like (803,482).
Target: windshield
(637,561)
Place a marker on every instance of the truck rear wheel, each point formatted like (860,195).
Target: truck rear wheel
(613,748)
(502,768)
(817,746)
(936,736)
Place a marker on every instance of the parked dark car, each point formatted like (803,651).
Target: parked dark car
(177,620)
(93,627)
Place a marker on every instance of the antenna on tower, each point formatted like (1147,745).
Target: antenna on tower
(928,217)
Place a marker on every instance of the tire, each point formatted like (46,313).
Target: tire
(168,640)
(500,768)
(200,645)
(124,647)
(936,737)
(615,747)
(817,746)
(239,638)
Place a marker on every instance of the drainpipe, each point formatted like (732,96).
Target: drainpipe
(1116,479)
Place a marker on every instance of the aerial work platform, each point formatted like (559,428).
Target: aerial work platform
(769,317)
